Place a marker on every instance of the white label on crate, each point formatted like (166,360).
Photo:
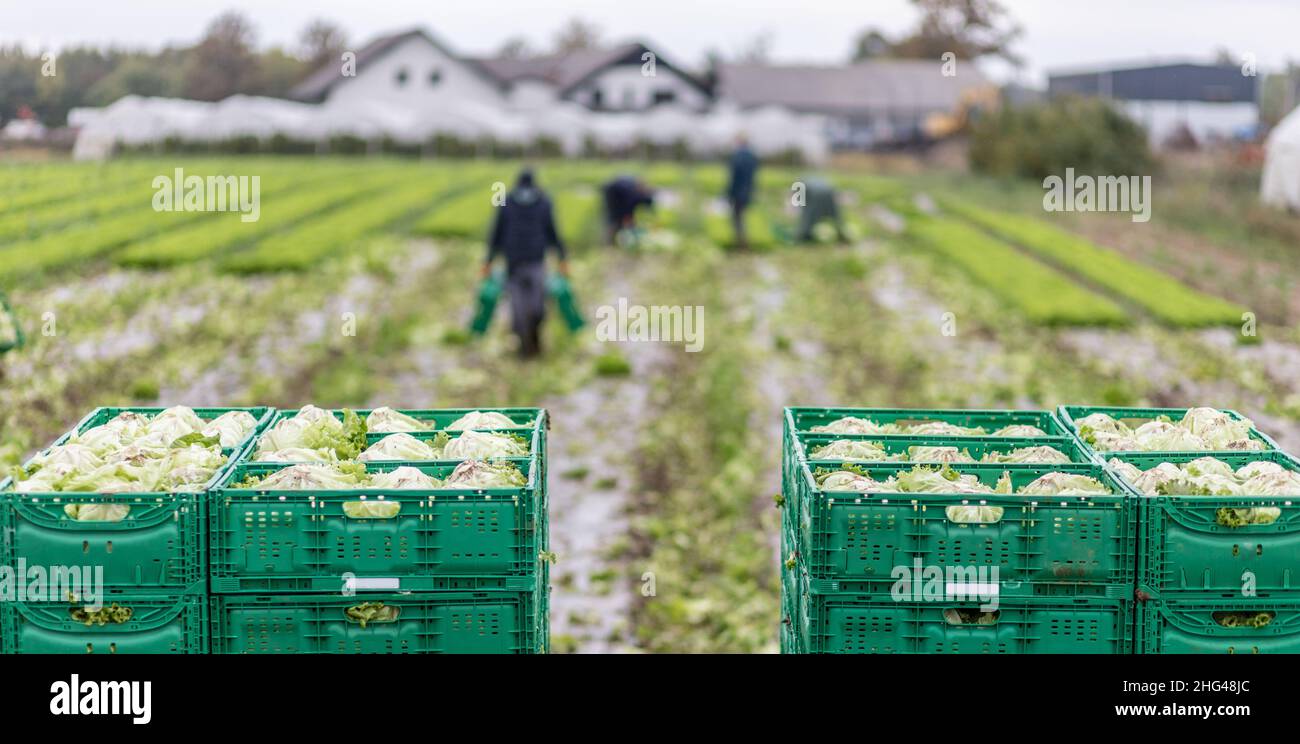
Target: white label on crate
(372,585)
(970,590)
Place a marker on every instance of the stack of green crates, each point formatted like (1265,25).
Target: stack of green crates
(1195,570)
(1065,564)
(456,571)
(154,561)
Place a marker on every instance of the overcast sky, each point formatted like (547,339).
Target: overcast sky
(1058,33)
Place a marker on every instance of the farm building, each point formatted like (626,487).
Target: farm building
(880,103)
(410,87)
(629,77)
(413,69)
(1207,102)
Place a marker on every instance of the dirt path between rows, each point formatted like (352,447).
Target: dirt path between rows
(593,439)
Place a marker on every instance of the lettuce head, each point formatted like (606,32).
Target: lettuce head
(1020,430)
(405,477)
(848,450)
(481,474)
(399,446)
(1065,484)
(317,429)
(481,445)
(482,420)
(1036,454)
(385,420)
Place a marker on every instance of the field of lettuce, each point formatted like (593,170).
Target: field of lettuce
(355,286)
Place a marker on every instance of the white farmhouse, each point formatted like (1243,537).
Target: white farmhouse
(413,70)
(629,77)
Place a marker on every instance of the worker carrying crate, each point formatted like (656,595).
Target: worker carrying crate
(523,232)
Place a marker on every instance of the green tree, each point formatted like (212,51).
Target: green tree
(277,72)
(224,62)
(1036,141)
(19,72)
(969,29)
(322,43)
(138,74)
(577,35)
(1279,93)
(871,44)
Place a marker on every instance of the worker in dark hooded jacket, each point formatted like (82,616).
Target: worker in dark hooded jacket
(623,196)
(742,170)
(524,231)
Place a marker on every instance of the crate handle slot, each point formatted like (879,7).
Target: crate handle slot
(1243,619)
(972,514)
(972,617)
(371,509)
(371,613)
(97,512)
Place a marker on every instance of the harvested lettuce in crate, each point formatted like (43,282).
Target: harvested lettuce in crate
(1209,476)
(385,420)
(1199,430)
(315,428)
(174,451)
(857,425)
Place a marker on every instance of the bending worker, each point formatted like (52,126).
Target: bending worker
(622,197)
(523,232)
(819,204)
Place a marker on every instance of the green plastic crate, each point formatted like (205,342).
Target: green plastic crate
(787,642)
(1137,416)
(804,419)
(440,418)
(263,414)
(532,422)
(1190,627)
(789,463)
(848,623)
(487,622)
(797,423)
(160,624)
(1185,549)
(302,541)
(19,338)
(489,292)
(160,547)
(976,447)
(790,618)
(1042,546)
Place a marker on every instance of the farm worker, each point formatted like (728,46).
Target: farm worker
(622,197)
(740,189)
(524,230)
(819,204)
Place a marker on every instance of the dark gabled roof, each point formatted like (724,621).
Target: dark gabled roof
(568,71)
(317,85)
(1184,81)
(875,85)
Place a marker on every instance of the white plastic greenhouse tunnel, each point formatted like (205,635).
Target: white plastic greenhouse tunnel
(139,121)
(1280,186)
